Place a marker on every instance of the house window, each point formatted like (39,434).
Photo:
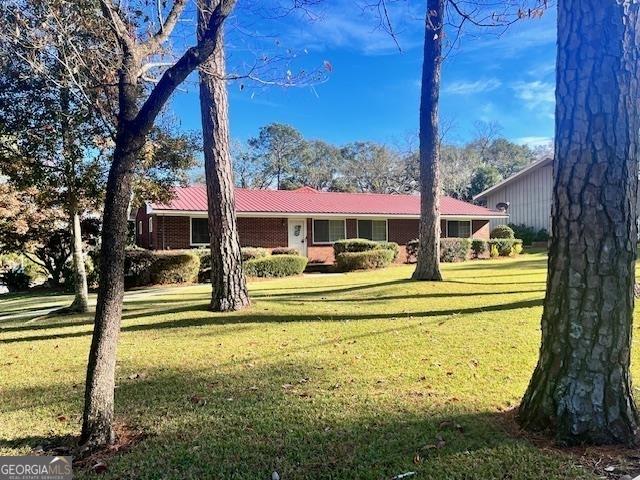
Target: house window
(458,229)
(373,230)
(199,231)
(140,227)
(328,231)
(150,224)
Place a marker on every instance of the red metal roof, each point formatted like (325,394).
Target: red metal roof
(306,200)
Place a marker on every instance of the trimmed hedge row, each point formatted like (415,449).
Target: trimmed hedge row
(350,254)
(458,249)
(251,253)
(275,266)
(284,251)
(454,249)
(145,267)
(377,258)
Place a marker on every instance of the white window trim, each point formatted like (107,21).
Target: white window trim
(385,220)
(460,221)
(191,233)
(313,229)
(150,225)
(139,227)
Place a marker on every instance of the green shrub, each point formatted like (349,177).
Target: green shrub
(175,268)
(412,250)
(528,235)
(478,247)
(502,231)
(451,249)
(391,246)
(251,253)
(506,246)
(493,252)
(378,258)
(517,248)
(275,266)
(16,279)
(542,235)
(144,267)
(285,251)
(353,245)
(454,249)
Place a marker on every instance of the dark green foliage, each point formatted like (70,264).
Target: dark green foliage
(542,235)
(16,279)
(378,258)
(144,267)
(354,245)
(275,266)
(506,246)
(91,271)
(454,249)
(478,247)
(285,251)
(175,268)
(502,231)
(451,249)
(391,246)
(251,253)
(528,235)
(483,177)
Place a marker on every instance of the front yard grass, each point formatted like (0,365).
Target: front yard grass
(325,377)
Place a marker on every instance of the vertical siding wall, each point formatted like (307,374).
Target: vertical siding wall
(529,197)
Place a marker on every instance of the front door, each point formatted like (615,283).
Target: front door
(298,235)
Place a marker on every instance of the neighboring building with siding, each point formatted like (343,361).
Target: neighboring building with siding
(528,195)
(306,219)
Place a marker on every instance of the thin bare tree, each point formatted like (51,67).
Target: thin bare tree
(139,54)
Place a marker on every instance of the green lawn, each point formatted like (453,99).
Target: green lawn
(326,376)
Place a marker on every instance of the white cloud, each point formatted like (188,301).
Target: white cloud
(534,141)
(351,25)
(466,88)
(536,95)
(522,38)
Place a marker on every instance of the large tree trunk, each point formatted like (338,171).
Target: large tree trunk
(581,388)
(81,301)
(428,264)
(229,289)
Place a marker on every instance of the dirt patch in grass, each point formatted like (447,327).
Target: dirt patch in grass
(615,462)
(97,461)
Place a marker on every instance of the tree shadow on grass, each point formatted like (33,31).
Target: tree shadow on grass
(293,418)
(261,317)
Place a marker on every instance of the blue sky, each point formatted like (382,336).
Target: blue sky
(373,90)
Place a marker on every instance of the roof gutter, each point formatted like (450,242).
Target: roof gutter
(152,211)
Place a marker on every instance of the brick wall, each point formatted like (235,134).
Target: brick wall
(263,232)
(402,231)
(173,232)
